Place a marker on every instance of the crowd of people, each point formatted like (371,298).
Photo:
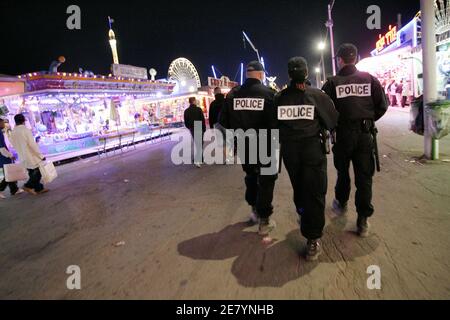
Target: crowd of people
(398,92)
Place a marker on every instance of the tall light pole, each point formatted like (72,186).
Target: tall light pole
(330,24)
(429,72)
(318,82)
(321,48)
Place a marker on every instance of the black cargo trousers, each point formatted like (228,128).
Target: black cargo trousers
(259,187)
(355,144)
(306,163)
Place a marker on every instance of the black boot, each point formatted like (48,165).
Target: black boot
(363,227)
(313,250)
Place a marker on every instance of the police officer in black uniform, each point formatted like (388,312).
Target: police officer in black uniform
(247,107)
(304,114)
(361,101)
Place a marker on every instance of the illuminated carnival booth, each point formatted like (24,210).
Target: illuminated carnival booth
(73,114)
(70,113)
(398,57)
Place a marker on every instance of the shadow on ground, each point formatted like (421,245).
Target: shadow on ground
(259,265)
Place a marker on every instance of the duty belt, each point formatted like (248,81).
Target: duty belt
(356,125)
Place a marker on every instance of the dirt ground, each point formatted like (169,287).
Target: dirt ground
(140,227)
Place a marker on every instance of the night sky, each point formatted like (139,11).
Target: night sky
(152,33)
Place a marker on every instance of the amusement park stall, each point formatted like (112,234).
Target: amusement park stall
(70,114)
(398,57)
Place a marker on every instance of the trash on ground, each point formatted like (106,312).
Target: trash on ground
(268,241)
(119,244)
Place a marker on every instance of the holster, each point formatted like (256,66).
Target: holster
(325,141)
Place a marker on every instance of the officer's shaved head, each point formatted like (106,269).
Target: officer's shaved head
(255,70)
(259,75)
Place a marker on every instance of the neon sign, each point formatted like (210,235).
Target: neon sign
(223,82)
(386,40)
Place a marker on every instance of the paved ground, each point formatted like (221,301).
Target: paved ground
(184,238)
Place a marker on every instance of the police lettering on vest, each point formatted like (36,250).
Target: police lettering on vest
(248,104)
(302,112)
(354,90)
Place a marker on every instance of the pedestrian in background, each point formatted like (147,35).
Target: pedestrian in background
(405,94)
(385,87)
(216,108)
(393,93)
(192,115)
(398,94)
(29,155)
(6,157)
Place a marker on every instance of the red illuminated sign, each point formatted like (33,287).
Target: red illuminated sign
(224,82)
(388,39)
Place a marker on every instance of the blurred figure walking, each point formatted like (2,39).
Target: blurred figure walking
(215,110)
(192,115)
(6,157)
(29,155)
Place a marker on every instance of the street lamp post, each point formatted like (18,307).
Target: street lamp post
(322,47)
(429,72)
(330,24)
(318,81)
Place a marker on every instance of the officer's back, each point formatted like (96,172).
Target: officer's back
(249,106)
(356,94)
(311,111)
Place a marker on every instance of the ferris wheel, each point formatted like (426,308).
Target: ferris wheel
(182,70)
(442,16)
